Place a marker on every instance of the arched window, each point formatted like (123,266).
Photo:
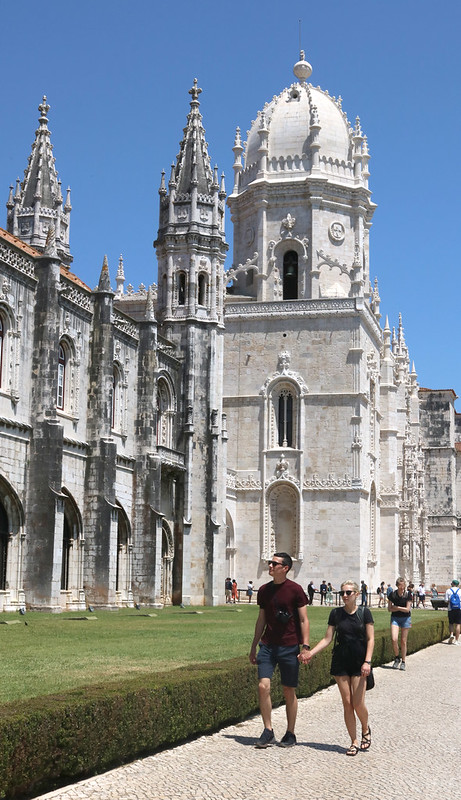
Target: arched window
(2,337)
(4,538)
(62,362)
(118,400)
(283,415)
(290,275)
(181,287)
(285,419)
(165,414)
(66,550)
(202,286)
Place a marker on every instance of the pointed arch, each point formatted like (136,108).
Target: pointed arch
(202,289)
(283,502)
(72,552)
(124,550)
(284,409)
(166,580)
(166,410)
(67,377)
(290,275)
(11,546)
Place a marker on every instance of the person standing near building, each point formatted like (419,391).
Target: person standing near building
(399,604)
(364,593)
(228,588)
(310,592)
(250,590)
(282,626)
(235,594)
(421,595)
(453,598)
(323,592)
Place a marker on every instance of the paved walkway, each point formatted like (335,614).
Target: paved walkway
(415,723)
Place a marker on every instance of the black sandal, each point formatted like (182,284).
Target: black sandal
(352,751)
(365,744)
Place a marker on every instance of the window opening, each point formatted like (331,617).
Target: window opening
(290,275)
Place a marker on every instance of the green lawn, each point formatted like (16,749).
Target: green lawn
(50,653)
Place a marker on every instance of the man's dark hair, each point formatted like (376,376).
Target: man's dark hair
(287,561)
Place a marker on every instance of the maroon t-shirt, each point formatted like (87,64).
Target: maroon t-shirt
(286,596)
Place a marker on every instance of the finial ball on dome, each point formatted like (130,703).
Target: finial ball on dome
(302,69)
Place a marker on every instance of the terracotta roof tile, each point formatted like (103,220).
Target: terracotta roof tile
(31,251)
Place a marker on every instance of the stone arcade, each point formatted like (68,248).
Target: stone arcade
(154,441)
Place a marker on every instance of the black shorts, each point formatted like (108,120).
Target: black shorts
(454,616)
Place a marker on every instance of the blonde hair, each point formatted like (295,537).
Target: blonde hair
(354,585)
(400,580)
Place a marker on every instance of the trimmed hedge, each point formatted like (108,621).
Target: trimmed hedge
(58,739)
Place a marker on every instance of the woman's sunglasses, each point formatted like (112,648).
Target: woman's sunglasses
(348,592)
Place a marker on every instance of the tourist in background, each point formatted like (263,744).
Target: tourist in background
(351,661)
(228,588)
(399,604)
(310,592)
(421,595)
(250,590)
(453,598)
(329,595)
(235,594)
(364,593)
(323,592)
(434,591)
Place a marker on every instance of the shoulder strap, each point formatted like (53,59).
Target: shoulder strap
(360,614)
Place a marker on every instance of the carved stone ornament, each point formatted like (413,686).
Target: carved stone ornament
(282,370)
(288,224)
(337,232)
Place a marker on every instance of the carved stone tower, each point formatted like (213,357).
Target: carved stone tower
(191,250)
(37,202)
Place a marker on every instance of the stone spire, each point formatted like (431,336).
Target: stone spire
(193,162)
(191,244)
(38,202)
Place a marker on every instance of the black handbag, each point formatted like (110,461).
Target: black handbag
(370,680)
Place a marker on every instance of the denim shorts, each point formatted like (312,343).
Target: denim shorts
(270,655)
(402,622)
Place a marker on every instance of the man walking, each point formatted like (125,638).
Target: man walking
(282,626)
(453,598)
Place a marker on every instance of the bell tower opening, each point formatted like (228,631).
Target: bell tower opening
(290,275)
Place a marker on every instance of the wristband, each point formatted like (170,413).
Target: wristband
(367,662)
(306,646)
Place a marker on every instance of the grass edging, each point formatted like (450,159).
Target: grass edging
(58,739)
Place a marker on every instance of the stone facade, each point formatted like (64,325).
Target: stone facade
(155,441)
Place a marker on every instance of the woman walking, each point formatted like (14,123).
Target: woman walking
(399,604)
(351,660)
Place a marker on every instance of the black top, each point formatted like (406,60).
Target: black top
(400,601)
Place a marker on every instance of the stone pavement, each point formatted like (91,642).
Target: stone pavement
(415,724)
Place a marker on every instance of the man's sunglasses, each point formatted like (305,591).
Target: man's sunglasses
(275,564)
(348,592)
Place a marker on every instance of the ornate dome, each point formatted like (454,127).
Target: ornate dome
(301,130)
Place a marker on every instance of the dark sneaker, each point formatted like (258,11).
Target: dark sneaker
(288,740)
(396,663)
(267,739)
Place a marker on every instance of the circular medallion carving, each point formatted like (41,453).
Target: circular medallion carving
(337,232)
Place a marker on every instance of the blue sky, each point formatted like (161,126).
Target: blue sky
(117,77)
